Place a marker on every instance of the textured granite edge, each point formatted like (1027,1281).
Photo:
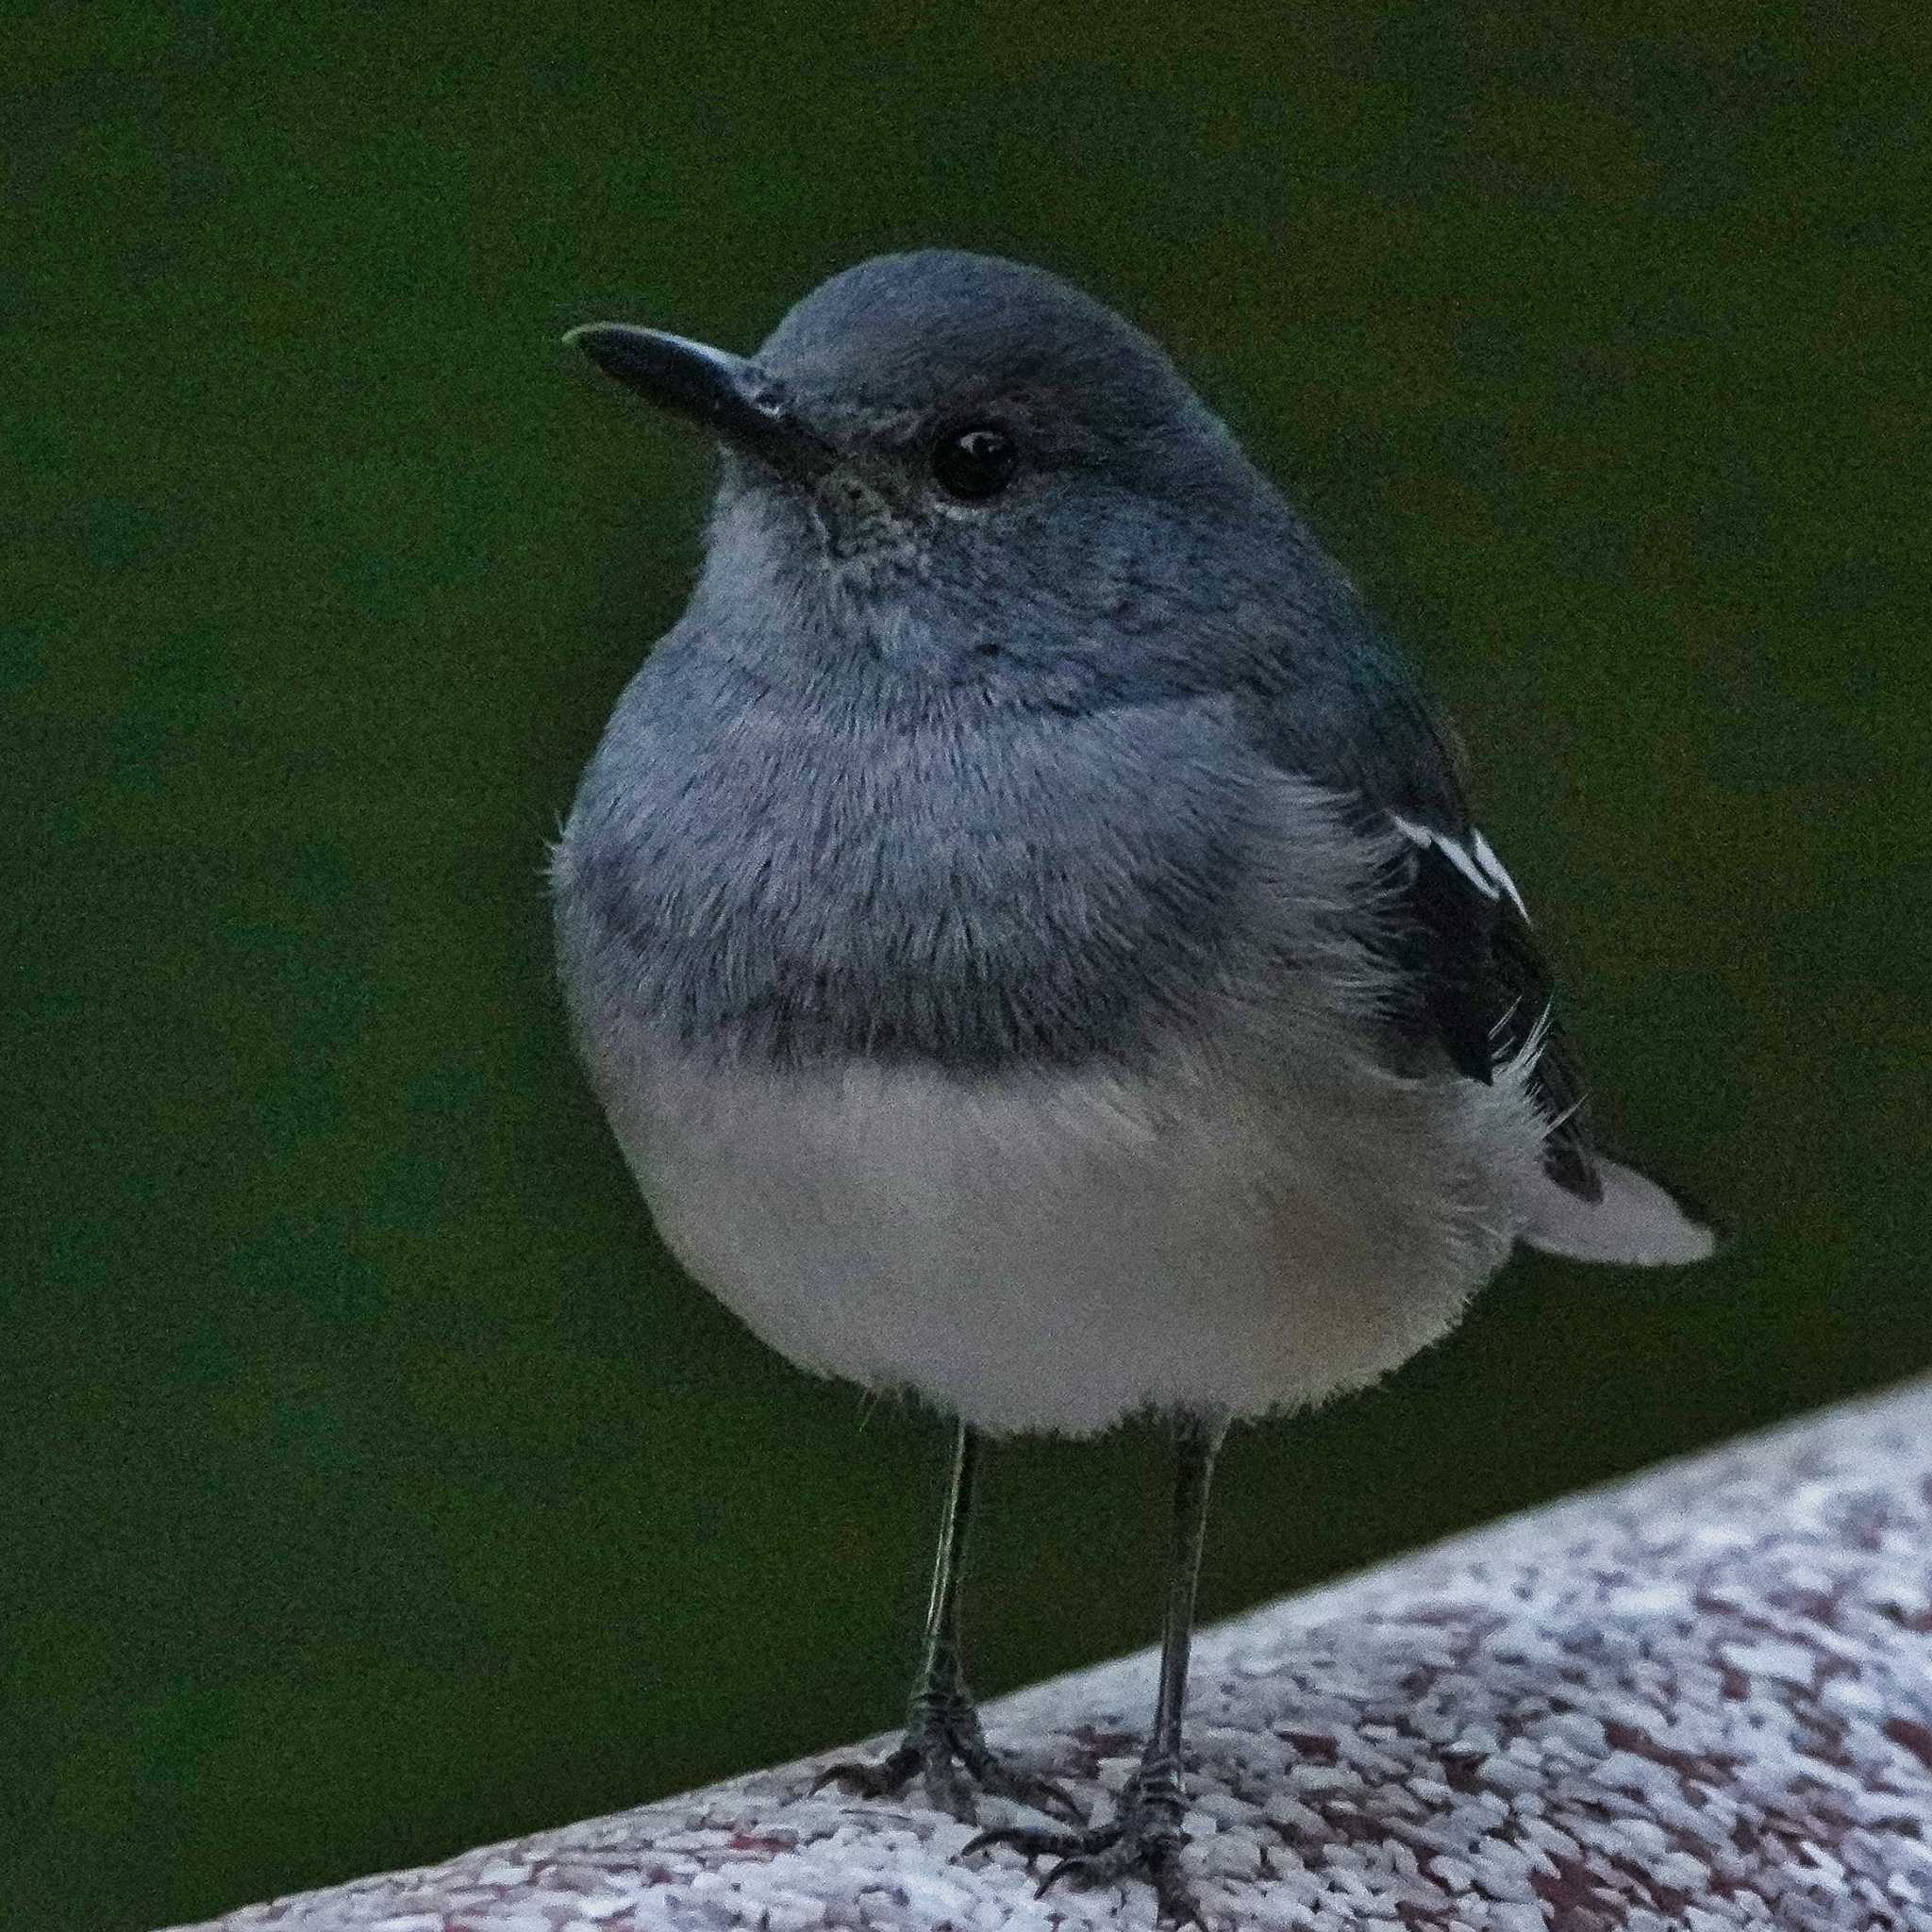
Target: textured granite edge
(1698,1699)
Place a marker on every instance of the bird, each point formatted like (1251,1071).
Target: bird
(1025,926)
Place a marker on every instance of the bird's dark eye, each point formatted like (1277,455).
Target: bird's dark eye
(974,463)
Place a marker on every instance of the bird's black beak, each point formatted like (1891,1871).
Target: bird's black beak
(729,396)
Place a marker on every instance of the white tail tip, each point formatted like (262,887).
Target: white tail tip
(1638,1223)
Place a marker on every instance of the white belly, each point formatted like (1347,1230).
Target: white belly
(1059,1252)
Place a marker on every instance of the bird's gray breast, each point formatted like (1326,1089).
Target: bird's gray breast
(770,878)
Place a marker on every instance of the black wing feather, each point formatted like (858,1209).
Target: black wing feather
(1517,971)
(1480,993)
(1442,936)
(1346,710)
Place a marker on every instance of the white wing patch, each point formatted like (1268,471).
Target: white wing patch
(1486,857)
(1476,862)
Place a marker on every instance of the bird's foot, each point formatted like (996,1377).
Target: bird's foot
(947,1750)
(1142,1839)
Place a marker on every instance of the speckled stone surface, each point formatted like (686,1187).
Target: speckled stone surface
(1697,1701)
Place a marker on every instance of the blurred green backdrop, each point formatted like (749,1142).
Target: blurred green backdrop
(373,1486)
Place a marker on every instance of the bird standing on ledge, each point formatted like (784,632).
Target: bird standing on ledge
(1025,926)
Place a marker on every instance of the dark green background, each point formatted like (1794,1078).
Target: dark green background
(371,1485)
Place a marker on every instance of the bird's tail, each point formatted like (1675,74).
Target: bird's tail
(1638,1222)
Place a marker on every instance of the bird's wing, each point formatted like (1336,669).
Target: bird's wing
(1481,994)
(1471,978)
(1462,938)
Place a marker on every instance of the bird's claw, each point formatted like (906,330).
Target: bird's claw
(1143,1840)
(947,1752)
(883,1779)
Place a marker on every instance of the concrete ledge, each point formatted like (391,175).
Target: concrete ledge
(1699,1700)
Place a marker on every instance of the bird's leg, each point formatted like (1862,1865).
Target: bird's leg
(1144,1838)
(943,1745)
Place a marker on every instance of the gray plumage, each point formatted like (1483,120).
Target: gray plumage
(1105,785)
(1026,928)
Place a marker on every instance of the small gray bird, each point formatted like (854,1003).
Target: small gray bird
(1025,926)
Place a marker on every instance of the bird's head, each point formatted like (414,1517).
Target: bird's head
(968,468)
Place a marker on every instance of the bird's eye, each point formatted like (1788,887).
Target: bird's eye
(974,463)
